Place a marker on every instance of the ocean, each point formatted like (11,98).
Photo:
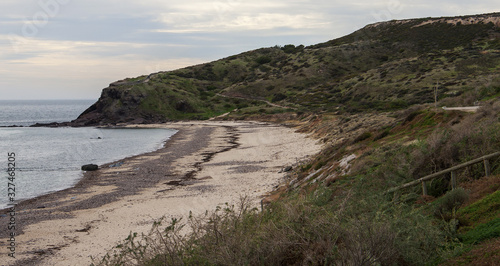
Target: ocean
(26,113)
(49,159)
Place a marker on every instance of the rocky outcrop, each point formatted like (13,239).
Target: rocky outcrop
(117,104)
(90,167)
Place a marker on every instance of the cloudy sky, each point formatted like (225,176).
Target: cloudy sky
(71,49)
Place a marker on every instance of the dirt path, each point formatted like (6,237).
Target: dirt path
(255,99)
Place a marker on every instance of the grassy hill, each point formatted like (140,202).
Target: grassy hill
(369,97)
(333,210)
(382,67)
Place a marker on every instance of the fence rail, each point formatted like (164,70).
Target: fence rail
(487,169)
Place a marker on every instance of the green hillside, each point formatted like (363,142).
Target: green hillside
(382,67)
(370,98)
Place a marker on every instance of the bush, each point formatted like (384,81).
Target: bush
(366,135)
(319,165)
(305,168)
(489,91)
(318,229)
(382,135)
(475,136)
(368,243)
(278,97)
(290,48)
(184,106)
(411,114)
(396,226)
(263,59)
(211,88)
(284,234)
(447,206)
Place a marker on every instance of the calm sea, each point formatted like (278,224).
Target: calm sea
(49,159)
(25,113)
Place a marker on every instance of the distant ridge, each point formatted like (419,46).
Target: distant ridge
(463,20)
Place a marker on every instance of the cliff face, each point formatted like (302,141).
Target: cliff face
(384,66)
(116,105)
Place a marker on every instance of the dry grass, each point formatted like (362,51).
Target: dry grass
(312,230)
(482,187)
(349,223)
(485,254)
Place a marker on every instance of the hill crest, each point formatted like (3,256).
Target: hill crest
(463,20)
(381,67)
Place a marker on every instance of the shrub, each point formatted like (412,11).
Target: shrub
(184,106)
(278,97)
(319,165)
(475,136)
(263,59)
(365,135)
(489,91)
(318,229)
(410,114)
(159,245)
(397,226)
(211,87)
(368,243)
(290,48)
(382,135)
(286,233)
(305,168)
(450,202)
(242,105)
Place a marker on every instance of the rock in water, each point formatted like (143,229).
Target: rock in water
(90,167)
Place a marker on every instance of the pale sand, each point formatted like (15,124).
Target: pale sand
(251,169)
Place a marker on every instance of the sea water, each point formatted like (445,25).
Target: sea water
(49,159)
(26,113)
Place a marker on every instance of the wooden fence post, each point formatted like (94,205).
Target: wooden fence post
(452,170)
(487,169)
(453,180)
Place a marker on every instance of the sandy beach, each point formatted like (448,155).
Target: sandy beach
(204,165)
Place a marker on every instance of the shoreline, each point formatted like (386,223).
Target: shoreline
(86,174)
(203,165)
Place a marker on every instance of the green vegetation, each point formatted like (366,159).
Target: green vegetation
(314,230)
(447,206)
(482,232)
(483,210)
(356,73)
(364,136)
(350,220)
(360,98)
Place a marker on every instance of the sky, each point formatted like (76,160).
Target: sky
(72,49)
